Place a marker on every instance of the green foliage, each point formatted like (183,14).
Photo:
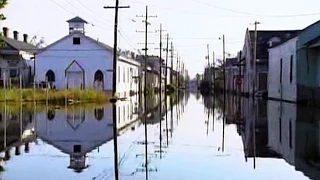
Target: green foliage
(3,3)
(53,96)
(171,88)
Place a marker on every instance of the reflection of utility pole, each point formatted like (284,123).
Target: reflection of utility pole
(224,92)
(255,58)
(114,85)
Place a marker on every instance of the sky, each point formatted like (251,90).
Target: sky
(192,24)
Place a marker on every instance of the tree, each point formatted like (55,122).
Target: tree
(3,3)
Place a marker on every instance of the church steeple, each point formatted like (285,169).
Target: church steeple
(77,24)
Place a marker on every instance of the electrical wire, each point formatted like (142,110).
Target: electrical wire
(253,14)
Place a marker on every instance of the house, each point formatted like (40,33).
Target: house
(15,55)
(153,69)
(259,70)
(79,61)
(282,83)
(308,56)
(231,72)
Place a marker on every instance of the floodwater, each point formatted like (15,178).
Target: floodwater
(193,138)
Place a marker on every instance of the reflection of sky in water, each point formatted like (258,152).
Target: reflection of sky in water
(192,154)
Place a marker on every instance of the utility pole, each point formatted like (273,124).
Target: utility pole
(208,56)
(115,46)
(255,58)
(177,70)
(171,69)
(214,70)
(114,85)
(145,84)
(224,91)
(165,87)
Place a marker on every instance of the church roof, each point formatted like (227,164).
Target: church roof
(77,19)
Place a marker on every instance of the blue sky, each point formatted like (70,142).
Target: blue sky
(191,23)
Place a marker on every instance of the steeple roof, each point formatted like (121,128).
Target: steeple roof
(77,19)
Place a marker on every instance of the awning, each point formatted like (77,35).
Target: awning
(314,43)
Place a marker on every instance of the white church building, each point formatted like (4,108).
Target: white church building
(79,61)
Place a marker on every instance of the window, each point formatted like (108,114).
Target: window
(128,79)
(291,64)
(290,134)
(280,130)
(124,75)
(13,72)
(119,74)
(76,40)
(280,78)
(77,148)
(119,117)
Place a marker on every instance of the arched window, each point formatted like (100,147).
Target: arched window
(98,80)
(99,113)
(51,114)
(50,76)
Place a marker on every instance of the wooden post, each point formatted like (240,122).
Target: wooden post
(47,93)
(4,86)
(20,84)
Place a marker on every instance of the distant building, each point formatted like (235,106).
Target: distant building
(231,73)
(15,58)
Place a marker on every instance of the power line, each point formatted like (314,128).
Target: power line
(253,14)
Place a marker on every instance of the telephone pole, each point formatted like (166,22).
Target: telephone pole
(208,56)
(255,58)
(145,84)
(171,71)
(115,46)
(114,85)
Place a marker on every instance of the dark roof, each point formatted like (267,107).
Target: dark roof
(20,45)
(265,36)
(77,19)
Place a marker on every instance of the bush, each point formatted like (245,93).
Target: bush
(53,96)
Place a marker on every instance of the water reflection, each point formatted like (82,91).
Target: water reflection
(82,135)
(181,138)
(274,130)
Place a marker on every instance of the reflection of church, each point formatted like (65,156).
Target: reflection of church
(76,131)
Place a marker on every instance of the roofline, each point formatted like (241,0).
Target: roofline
(283,42)
(276,30)
(63,38)
(311,25)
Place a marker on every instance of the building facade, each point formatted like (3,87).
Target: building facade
(15,58)
(256,72)
(80,62)
(282,83)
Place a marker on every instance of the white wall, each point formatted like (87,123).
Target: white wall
(88,54)
(279,134)
(248,74)
(287,88)
(127,69)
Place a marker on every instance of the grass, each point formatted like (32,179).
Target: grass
(53,96)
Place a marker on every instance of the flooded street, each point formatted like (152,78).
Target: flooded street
(195,141)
